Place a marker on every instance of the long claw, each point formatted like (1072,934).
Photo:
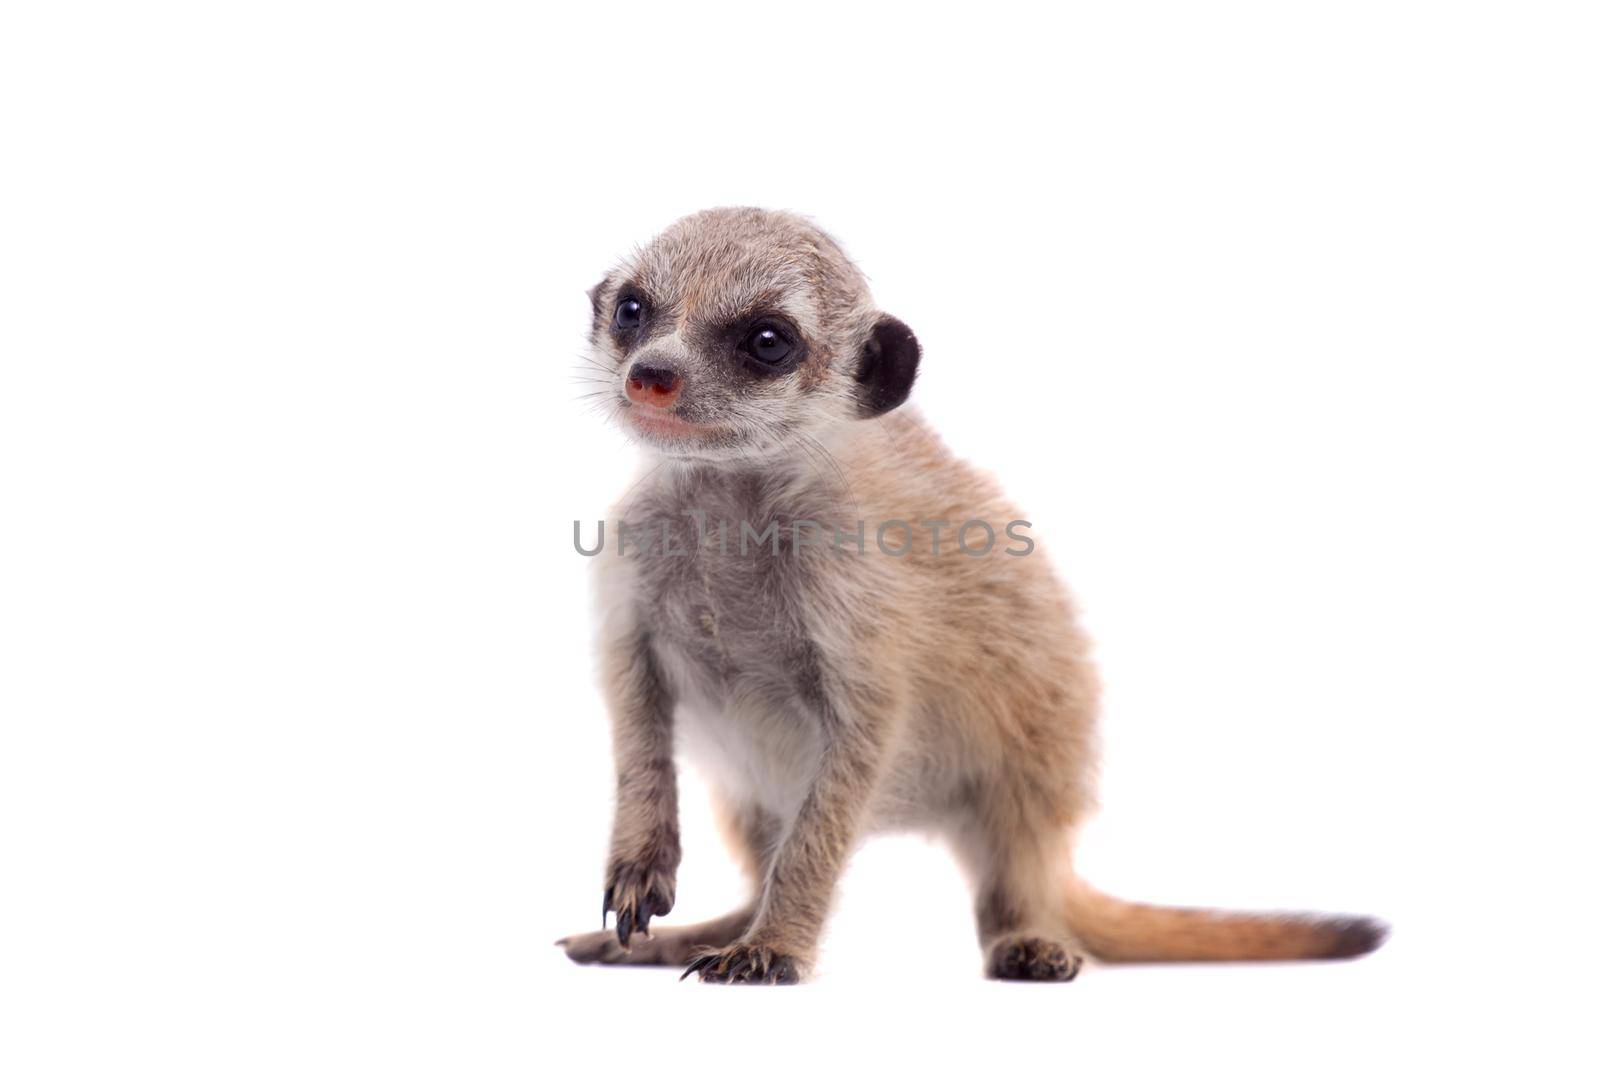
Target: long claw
(657,902)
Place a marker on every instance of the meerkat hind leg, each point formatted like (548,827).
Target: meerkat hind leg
(1020,905)
(665,946)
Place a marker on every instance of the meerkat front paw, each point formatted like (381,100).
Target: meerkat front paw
(746,964)
(638,891)
(1033,959)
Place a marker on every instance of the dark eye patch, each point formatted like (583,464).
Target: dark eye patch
(761,342)
(632,316)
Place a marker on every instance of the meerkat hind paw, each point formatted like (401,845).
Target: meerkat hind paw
(1033,959)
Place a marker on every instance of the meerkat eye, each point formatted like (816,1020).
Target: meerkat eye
(630,313)
(767,344)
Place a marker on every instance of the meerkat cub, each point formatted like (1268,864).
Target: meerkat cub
(785,602)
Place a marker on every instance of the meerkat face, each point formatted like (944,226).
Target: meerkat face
(738,331)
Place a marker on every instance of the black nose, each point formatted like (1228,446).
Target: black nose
(663,378)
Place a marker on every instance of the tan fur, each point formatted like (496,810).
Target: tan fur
(833,694)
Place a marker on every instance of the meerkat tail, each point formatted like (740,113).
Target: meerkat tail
(1120,931)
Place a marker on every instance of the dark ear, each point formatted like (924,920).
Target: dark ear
(888,366)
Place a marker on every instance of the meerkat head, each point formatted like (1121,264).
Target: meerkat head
(739,329)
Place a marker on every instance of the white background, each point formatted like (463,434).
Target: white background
(1279,321)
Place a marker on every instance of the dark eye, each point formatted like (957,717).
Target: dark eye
(629,314)
(767,344)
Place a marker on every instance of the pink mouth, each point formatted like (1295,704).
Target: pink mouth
(664,424)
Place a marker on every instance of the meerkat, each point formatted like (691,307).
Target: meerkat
(884,681)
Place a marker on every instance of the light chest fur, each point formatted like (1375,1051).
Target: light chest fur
(736,629)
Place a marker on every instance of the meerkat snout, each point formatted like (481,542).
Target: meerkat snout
(653,385)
